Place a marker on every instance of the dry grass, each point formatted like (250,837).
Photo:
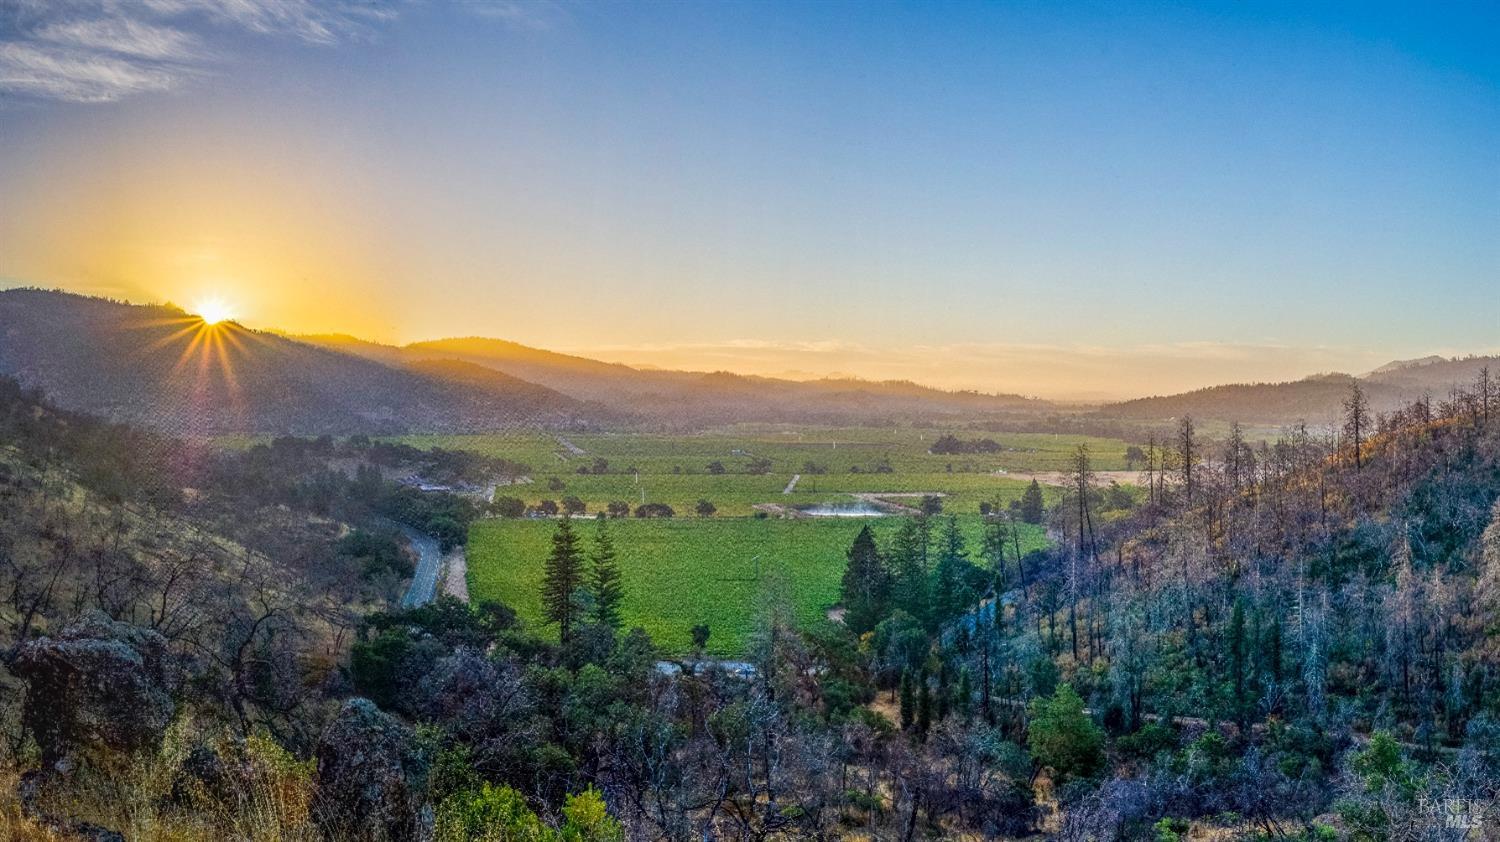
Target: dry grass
(137,800)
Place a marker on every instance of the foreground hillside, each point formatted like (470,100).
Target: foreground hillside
(1296,640)
(1317,399)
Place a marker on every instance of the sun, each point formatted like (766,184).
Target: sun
(214,310)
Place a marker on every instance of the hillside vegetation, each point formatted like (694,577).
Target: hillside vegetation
(1295,639)
(160,367)
(1317,399)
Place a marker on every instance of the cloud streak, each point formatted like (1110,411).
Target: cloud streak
(104,51)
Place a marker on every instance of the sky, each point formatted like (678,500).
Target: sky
(1067,200)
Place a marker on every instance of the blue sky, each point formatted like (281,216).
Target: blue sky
(991,195)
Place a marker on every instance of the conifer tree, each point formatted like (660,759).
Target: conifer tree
(908,700)
(561,580)
(1356,422)
(604,580)
(867,584)
(1031,503)
(924,707)
(951,592)
(965,694)
(1239,651)
(908,557)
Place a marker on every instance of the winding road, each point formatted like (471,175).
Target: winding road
(429,563)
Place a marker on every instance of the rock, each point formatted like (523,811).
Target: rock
(99,690)
(367,781)
(29,793)
(203,777)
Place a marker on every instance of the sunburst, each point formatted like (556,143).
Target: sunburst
(214,310)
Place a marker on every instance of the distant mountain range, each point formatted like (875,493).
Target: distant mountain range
(159,366)
(1315,399)
(691,398)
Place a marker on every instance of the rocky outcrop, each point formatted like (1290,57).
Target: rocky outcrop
(99,691)
(369,778)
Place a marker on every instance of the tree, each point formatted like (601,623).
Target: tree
(1031,503)
(701,633)
(618,508)
(924,706)
(1356,421)
(705,508)
(866,585)
(573,505)
(908,560)
(562,578)
(1063,738)
(1485,390)
(604,580)
(1083,485)
(1187,457)
(1239,655)
(951,592)
(908,700)
(992,545)
(716,467)
(508,506)
(1134,454)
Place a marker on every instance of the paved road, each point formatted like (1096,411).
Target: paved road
(792,484)
(429,562)
(571,447)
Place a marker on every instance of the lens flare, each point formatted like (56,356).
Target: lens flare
(214,310)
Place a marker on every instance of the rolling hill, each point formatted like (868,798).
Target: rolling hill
(688,398)
(1315,399)
(158,366)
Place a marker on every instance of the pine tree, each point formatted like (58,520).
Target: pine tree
(908,557)
(1031,503)
(1063,737)
(951,592)
(867,584)
(993,547)
(1356,422)
(1187,457)
(604,580)
(562,578)
(924,707)
(965,694)
(1238,653)
(908,700)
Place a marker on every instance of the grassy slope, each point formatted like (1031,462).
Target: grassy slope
(681,572)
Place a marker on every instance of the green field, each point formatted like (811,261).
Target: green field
(673,469)
(685,571)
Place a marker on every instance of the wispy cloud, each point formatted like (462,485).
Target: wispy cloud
(79,76)
(100,50)
(523,14)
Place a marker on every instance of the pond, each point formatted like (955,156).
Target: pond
(859,508)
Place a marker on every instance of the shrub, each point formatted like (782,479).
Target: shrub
(1063,737)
